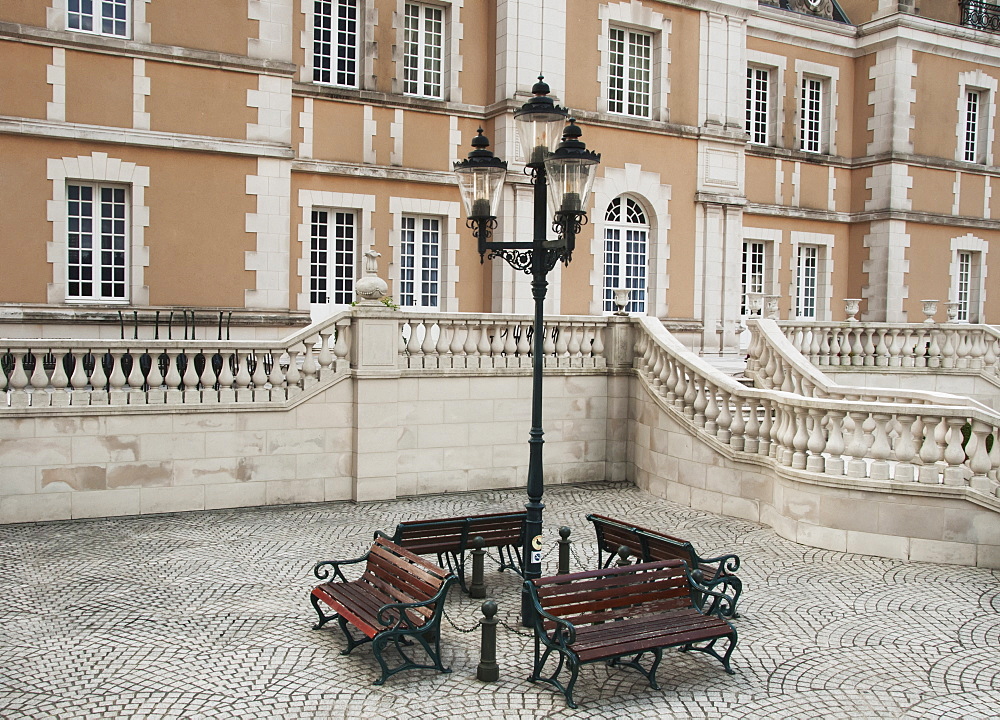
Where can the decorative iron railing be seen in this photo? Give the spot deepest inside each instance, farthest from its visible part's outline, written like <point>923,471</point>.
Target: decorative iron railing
<point>980,15</point>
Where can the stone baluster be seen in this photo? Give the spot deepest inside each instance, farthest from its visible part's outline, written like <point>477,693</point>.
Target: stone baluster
<point>857,449</point>
<point>310,368</point>
<point>992,352</point>
<point>778,377</point>
<point>954,454</point>
<point>869,348</point>
<point>446,331</point>
<point>766,426</point>
<point>293,376</point>
<point>771,364</point>
<point>881,350</point>
<point>824,347</point>
<point>523,346</point>
<point>155,380</point>
<point>745,425</point>
<point>691,394</point>
<point>934,349</point>
<point>654,374</point>
<point>98,381</point>
<point>172,378</point>
<point>800,437</point>
<point>834,464</point>
<point>737,421</point>
<point>190,380</point>
<point>904,449</point>
<point>785,435</point>
<point>562,345</point>
<point>847,346</point>
<point>243,379</point>
<point>341,346</point>
<point>135,380</point>
<point>994,454</point>
<point>979,457</point>
<point>978,351</point>
<point>208,392</point>
<point>59,382</point>
<point>116,380</point>
<point>457,346</point>
<point>664,375</point>
<point>896,344</point>
<point>881,450</point>
<point>39,382</point>
<point>670,383</point>
<point>963,349</point>
<point>325,357</point>
<point>857,348</point>
<point>948,351</point>
<point>597,348</point>
<point>227,394</point>
<point>816,443</point>
<point>496,344</point>
<point>724,420</point>
<point>711,407</point>
<point>428,347</point>
<point>18,380</point>
<point>259,378</point>
<point>276,377</point>
<point>574,342</point>
<point>549,346</point>
<point>414,353</point>
<point>907,354</point>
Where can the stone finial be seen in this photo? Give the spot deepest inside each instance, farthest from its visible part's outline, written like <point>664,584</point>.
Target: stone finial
<point>370,288</point>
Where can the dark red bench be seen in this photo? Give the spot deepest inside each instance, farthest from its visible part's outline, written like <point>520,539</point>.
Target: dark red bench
<point>649,546</point>
<point>399,598</point>
<point>451,538</point>
<point>620,612</point>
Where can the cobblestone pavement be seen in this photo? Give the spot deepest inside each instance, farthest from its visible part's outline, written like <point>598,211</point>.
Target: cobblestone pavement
<point>205,615</point>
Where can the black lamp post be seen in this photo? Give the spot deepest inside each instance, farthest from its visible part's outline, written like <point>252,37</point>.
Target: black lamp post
<point>561,166</point>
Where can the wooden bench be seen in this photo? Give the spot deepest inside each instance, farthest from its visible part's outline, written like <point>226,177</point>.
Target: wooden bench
<point>649,546</point>
<point>399,598</point>
<point>628,611</point>
<point>450,538</point>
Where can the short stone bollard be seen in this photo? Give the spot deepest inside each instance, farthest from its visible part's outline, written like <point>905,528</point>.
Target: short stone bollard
<point>564,543</point>
<point>477,588</point>
<point>488,670</point>
<point>623,553</point>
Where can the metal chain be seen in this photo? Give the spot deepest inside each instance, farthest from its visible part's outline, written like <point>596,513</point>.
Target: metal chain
<point>514,630</point>
<point>576,557</point>
<point>461,630</point>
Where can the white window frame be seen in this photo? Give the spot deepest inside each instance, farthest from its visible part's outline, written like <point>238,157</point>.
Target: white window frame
<point>634,18</point>
<point>807,282</point>
<point>826,127</point>
<point>630,72</point>
<point>98,169</point>
<point>93,220</point>
<point>750,281</point>
<point>824,273</point>
<point>363,207</point>
<point>448,213</point>
<point>759,105</point>
<point>630,266</point>
<point>972,304</point>
<point>92,17</point>
<point>775,66</point>
<point>327,266</point>
<point>771,240</point>
<point>420,266</point>
<point>985,88</point>
<point>57,17</point>
<point>343,43</point>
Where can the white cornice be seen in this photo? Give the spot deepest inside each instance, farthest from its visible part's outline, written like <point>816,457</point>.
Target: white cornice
<point>142,138</point>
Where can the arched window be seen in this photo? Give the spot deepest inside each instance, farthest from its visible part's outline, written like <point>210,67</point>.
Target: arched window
<point>626,235</point>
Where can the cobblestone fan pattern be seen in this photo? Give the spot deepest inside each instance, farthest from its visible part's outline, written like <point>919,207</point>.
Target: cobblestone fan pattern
<point>205,615</point>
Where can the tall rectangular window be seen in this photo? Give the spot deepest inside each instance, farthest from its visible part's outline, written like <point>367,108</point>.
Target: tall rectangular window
<point>806,278</point>
<point>335,42</point>
<point>811,115</point>
<point>97,241</point>
<point>758,95</point>
<point>420,262</point>
<point>332,257</point>
<point>753,271</point>
<point>423,50</point>
<point>630,81</point>
<point>102,17</point>
<point>973,110</point>
<point>963,294</point>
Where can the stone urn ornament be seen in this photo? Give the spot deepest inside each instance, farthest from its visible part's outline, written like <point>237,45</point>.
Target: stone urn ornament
<point>370,288</point>
<point>755,303</point>
<point>771,306</point>
<point>621,300</point>
<point>930,309</point>
<point>951,311</point>
<point>851,307</point>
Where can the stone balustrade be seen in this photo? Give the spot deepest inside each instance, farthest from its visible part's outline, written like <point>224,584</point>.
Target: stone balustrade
<point>896,345</point>
<point>144,373</point>
<point>435,341</point>
<point>858,435</point>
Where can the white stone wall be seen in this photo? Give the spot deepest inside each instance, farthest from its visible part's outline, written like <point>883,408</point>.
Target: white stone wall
<point>669,460</point>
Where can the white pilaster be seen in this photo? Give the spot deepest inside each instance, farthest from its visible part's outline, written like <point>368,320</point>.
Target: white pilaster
<point>274,39</point>
<point>273,100</point>
<point>306,123</point>
<point>55,75</point>
<point>531,39</point>
<point>887,269</point>
<point>396,133</point>
<point>892,100</point>
<point>368,134</point>
<point>270,260</point>
<point>140,89</point>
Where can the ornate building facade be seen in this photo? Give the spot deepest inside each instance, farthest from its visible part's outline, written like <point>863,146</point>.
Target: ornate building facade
<point>236,160</point>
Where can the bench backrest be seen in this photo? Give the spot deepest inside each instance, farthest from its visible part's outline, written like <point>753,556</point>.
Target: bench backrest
<point>647,545</point>
<point>455,534</point>
<point>597,596</point>
<point>404,576</point>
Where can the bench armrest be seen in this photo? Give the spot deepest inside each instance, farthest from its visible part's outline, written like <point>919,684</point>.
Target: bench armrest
<point>395,617</point>
<point>716,597</point>
<point>325,568</point>
<point>728,564</point>
<point>563,634</point>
